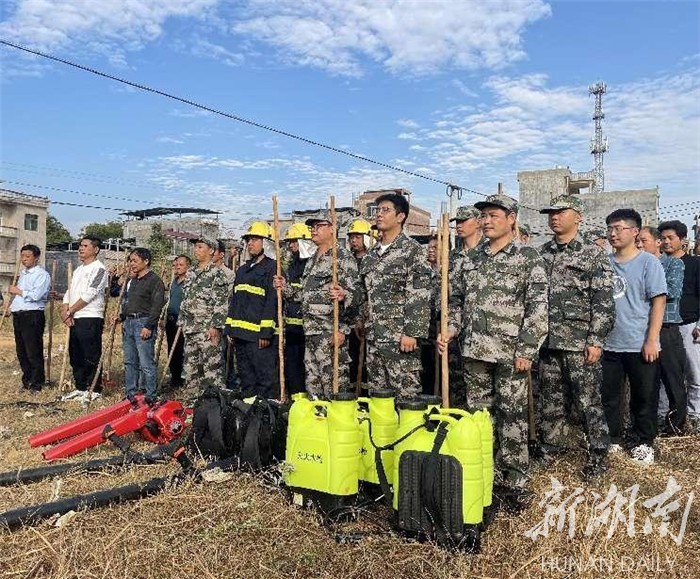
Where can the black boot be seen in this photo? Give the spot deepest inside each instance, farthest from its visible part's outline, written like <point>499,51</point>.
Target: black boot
<point>596,465</point>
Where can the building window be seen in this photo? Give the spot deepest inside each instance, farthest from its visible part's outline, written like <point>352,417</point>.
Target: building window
<point>371,210</point>
<point>31,222</point>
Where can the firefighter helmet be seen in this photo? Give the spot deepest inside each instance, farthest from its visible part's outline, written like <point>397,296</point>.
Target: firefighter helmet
<point>259,229</point>
<point>361,226</point>
<point>297,231</point>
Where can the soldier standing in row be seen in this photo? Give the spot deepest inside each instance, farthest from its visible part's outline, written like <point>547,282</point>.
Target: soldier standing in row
<point>317,294</point>
<point>202,317</point>
<point>251,317</point>
<point>396,289</point>
<point>499,300</point>
<point>468,227</point>
<point>294,340</point>
<point>359,240</point>
<point>581,313</point>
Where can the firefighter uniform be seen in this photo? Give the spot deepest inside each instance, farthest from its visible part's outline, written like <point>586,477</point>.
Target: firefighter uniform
<point>251,317</point>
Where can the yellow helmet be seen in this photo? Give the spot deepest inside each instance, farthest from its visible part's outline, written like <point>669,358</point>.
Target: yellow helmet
<point>259,229</point>
<point>297,231</point>
<point>361,226</point>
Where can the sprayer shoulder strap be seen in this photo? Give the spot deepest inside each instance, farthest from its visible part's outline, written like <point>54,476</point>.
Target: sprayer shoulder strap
<point>430,481</point>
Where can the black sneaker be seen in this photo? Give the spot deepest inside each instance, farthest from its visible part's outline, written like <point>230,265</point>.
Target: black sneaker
<point>596,465</point>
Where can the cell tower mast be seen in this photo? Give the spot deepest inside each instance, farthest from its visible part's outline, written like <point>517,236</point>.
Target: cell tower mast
<point>599,143</point>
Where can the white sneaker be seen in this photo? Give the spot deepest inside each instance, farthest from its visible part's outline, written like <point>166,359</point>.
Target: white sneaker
<point>614,448</point>
<point>643,454</point>
<point>73,394</point>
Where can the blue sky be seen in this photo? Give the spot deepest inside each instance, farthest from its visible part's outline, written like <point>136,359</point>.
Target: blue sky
<point>466,92</point>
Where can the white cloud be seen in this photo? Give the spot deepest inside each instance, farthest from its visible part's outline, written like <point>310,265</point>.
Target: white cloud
<point>404,36</point>
<point>106,26</point>
<point>653,126</point>
<point>407,123</point>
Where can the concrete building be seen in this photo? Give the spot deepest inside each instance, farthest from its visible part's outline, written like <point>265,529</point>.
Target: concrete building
<point>22,221</point>
<point>538,188</point>
<point>418,222</point>
<point>179,229</point>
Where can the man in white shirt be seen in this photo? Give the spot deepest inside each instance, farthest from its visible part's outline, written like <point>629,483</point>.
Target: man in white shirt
<point>83,311</point>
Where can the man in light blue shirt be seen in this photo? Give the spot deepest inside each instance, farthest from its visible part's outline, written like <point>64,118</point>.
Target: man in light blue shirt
<point>29,298</point>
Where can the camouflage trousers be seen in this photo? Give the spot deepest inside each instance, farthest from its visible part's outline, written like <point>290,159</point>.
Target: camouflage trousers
<point>503,391</point>
<point>431,373</point>
<point>390,369</point>
<point>570,393</point>
<point>318,364</point>
<point>202,362</point>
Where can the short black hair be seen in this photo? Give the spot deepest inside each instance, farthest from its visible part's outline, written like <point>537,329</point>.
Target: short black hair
<point>187,258</point>
<point>143,253</point>
<point>652,231</point>
<point>679,227</point>
<point>629,215</point>
<point>96,241</point>
<point>36,252</point>
<point>399,202</point>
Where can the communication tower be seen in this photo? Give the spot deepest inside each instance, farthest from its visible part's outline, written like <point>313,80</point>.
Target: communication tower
<point>599,143</point>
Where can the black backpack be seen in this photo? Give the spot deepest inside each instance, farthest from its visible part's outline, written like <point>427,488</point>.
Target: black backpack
<point>225,426</point>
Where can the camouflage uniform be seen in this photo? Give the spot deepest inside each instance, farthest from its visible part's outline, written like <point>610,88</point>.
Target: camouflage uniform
<point>581,313</point>
<point>499,301</point>
<point>396,296</point>
<point>205,297</point>
<point>317,312</point>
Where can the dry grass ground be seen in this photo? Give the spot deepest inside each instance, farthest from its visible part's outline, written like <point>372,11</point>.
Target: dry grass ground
<point>245,528</point>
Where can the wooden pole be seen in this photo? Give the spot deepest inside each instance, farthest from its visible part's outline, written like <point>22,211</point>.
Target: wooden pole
<point>444,268</point>
<point>170,355</point>
<point>280,317</point>
<point>336,305</point>
<point>49,347</point>
<point>67,342</point>
<point>6,311</point>
<point>360,364</point>
<point>163,315</point>
<point>113,326</point>
<point>436,380</point>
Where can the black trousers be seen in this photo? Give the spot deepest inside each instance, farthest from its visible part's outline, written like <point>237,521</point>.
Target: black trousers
<point>29,342</point>
<point>671,365</point>
<point>294,346</point>
<point>178,354</point>
<point>644,395</point>
<point>257,368</point>
<point>84,349</point>
<point>354,344</point>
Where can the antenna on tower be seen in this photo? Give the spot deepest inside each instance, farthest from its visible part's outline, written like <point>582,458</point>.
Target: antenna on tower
<point>599,143</point>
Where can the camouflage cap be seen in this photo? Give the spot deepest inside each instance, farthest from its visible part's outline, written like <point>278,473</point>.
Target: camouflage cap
<point>322,215</point>
<point>564,202</point>
<point>213,243</point>
<point>502,201</point>
<point>525,229</point>
<point>466,212</point>
<point>597,233</point>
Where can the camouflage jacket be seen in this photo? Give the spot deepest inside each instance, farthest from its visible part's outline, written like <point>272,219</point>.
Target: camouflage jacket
<point>204,299</point>
<point>396,290</point>
<point>499,302</point>
<point>581,305</point>
<point>316,305</point>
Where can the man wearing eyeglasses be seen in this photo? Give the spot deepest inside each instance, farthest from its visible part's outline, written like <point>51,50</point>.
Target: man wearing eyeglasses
<point>632,347</point>
<point>316,292</point>
<point>395,281</point>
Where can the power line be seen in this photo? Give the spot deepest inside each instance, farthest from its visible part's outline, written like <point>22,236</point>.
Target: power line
<point>84,175</point>
<point>235,117</point>
<point>77,192</point>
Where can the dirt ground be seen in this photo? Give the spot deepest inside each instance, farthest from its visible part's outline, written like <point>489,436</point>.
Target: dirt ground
<point>245,527</point>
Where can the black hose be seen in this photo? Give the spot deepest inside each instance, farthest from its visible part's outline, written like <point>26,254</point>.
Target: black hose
<point>30,475</point>
<point>16,518</point>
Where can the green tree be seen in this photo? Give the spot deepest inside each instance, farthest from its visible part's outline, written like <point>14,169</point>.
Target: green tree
<point>109,230</point>
<point>56,232</point>
<point>161,247</point>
